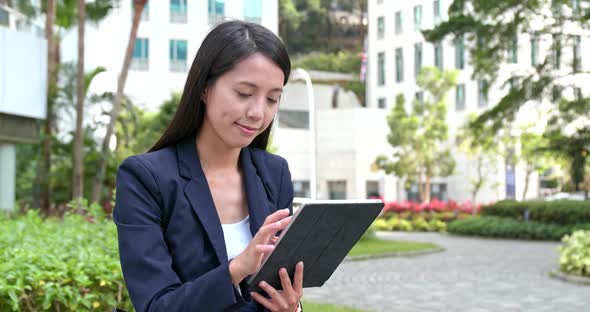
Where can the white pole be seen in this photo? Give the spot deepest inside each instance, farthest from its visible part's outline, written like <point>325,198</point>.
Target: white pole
<point>7,175</point>
<point>302,73</point>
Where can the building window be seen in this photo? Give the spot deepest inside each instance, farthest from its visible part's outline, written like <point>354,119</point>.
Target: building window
<point>576,7</point>
<point>437,190</point>
<point>178,55</point>
<point>253,11</point>
<point>577,54</point>
<point>534,50</point>
<point>399,65</point>
<point>373,189</point>
<point>381,68</point>
<point>417,58</point>
<point>578,94</point>
<point>437,11</point>
<point>380,27</point>
<point>438,55</point>
<point>483,91</point>
<point>556,52</point>
<point>301,189</point>
<point>459,53</point>
<point>178,11</point>
<point>460,97</point>
<point>141,54</point>
<point>4,17</point>
<point>293,119</point>
<point>419,96</point>
<point>216,10</point>
<point>398,22</point>
<point>512,83</point>
<point>337,189</point>
<point>418,17</point>
<point>556,93</point>
<point>382,102</point>
<point>514,50</point>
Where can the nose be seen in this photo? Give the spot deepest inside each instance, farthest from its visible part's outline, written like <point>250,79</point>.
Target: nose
<point>256,108</point>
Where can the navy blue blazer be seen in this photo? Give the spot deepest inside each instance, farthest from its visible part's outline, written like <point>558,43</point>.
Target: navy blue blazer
<point>171,242</point>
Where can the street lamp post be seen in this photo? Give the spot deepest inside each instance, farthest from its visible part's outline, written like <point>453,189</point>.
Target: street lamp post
<point>300,73</point>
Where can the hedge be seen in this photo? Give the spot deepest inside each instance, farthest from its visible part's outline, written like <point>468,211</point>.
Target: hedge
<point>60,265</point>
<point>565,212</point>
<point>510,228</point>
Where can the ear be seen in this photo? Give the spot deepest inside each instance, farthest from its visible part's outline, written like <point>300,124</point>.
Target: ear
<point>204,95</point>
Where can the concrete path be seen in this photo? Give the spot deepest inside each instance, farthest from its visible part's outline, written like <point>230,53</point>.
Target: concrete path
<point>471,275</point>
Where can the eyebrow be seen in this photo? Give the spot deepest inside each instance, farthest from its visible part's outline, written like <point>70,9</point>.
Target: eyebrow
<point>255,86</point>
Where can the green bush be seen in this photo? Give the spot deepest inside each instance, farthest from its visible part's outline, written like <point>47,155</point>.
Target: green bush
<point>341,62</point>
<point>575,254</point>
<point>511,228</point>
<point>420,224</point>
<point>565,212</point>
<point>60,265</point>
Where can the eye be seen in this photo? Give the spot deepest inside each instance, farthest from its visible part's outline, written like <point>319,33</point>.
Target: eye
<point>271,100</point>
<point>243,95</point>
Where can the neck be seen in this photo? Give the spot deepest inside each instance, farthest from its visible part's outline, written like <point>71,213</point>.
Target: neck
<point>213,153</point>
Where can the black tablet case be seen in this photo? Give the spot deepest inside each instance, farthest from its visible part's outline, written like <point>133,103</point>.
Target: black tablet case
<point>320,235</point>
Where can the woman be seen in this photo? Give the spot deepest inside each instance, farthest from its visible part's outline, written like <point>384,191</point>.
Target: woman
<point>198,213</point>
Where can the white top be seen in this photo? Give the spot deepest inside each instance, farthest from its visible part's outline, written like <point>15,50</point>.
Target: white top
<point>237,237</point>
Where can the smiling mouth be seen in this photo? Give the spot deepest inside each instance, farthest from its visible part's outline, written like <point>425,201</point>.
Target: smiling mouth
<point>246,127</point>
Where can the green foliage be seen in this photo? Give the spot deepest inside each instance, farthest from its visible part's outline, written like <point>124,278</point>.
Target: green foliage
<point>310,25</point>
<point>491,226</point>
<point>60,265</point>
<point>575,254</point>
<point>418,137</point>
<point>397,223</point>
<point>341,62</point>
<point>564,212</point>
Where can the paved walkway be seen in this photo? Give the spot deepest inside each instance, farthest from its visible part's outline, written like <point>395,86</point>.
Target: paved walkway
<point>471,275</point>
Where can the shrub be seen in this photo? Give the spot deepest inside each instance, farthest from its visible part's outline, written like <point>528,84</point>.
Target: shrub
<point>438,225</point>
<point>420,224</point>
<point>575,254</point>
<point>565,212</point>
<point>342,62</point>
<point>60,265</point>
<point>511,228</point>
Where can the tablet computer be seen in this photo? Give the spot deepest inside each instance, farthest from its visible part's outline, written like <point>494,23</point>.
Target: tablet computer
<point>321,234</point>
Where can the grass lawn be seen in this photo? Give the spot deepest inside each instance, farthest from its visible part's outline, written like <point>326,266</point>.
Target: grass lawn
<point>318,307</point>
<point>376,246</point>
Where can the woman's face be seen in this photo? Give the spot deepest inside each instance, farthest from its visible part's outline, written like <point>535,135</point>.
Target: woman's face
<point>242,103</point>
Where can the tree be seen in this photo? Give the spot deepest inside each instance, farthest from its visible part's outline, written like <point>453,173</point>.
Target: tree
<point>483,146</point>
<point>138,6</point>
<point>491,30</point>
<point>78,172</point>
<point>418,137</point>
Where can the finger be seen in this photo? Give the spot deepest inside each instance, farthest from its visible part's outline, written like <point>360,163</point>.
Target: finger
<point>274,240</point>
<point>286,283</point>
<point>266,232</point>
<point>265,248</point>
<point>276,216</point>
<point>298,278</point>
<point>263,301</point>
<point>274,294</point>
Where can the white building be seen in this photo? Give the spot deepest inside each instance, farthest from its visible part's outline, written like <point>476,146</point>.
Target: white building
<point>348,139</point>
<point>397,51</point>
<point>169,35</point>
<point>23,91</point>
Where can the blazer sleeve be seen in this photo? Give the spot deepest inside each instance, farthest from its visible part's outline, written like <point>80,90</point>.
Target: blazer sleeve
<point>145,260</point>
<point>286,189</point>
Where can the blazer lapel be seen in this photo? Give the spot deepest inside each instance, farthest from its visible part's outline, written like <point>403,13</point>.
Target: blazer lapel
<point>258,201</point>
<point>199,196</point>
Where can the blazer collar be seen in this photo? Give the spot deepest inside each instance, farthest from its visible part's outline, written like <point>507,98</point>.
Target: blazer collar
<point>199,195</point>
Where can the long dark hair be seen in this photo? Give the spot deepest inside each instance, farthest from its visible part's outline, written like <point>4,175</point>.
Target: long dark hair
<point>224,46</point>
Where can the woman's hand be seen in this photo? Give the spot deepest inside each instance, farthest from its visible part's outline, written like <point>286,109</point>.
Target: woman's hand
<point>249,261</point>
<point>286,300</point>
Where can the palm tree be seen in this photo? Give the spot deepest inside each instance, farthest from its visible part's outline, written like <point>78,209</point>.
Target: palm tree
<point>138,6</point>
<point>78,170</point>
